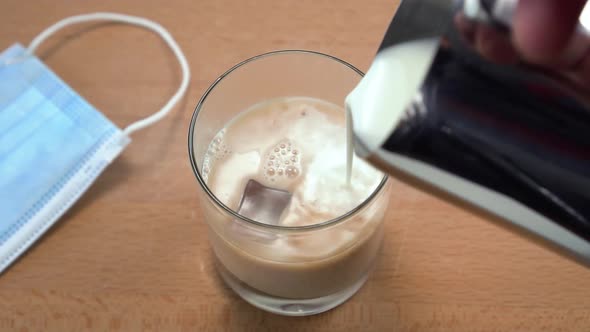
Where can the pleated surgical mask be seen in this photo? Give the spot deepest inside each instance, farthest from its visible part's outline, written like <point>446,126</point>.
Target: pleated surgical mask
<point>53,143</point>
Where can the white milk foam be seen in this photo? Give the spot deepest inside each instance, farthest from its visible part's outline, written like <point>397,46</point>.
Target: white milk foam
<point>296,144</point>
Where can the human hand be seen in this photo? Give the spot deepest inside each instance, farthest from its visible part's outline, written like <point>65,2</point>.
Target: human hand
<point>544,33</point>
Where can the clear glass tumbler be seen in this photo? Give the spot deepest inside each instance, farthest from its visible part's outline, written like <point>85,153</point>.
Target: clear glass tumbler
<point>293,271</point>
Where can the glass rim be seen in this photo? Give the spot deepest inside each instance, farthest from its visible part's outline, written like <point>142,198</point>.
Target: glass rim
<point>229,210</point>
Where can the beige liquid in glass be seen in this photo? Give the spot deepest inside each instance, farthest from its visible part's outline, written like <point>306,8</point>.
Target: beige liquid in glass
<point>296,144</point>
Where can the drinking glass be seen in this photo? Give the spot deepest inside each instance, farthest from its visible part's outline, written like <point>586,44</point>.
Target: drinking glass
<point>293,271</point>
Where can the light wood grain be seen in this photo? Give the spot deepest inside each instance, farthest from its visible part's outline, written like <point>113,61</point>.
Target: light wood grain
<point>132,255</point>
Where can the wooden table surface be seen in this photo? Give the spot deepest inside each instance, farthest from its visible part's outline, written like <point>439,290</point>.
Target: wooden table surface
<point>132,254</point>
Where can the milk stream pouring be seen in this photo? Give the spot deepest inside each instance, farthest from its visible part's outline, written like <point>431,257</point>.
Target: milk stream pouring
<point>509,142</point>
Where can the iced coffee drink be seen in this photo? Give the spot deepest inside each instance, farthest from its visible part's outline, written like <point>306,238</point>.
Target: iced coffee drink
<point>319,249</point>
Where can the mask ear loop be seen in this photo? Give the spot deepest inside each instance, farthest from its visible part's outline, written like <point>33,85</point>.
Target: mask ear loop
<point>132,20</point>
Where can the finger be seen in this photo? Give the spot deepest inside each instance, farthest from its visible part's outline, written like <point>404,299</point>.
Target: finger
<point>543,30</point>
<point>495,46</point>
<point>466,28</point>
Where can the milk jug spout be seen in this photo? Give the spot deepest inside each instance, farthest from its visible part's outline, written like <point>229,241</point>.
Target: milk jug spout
<point>510,142</point>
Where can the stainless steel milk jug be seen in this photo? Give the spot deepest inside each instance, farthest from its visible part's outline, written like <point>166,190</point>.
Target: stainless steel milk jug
<point>509,141</point>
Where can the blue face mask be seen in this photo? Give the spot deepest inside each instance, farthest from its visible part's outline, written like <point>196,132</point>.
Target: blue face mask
<point>53,143</point>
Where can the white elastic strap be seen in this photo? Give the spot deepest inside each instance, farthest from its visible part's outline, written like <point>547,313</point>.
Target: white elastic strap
<point>133,20</point>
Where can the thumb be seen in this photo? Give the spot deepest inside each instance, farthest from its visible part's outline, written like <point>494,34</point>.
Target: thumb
<point>544,30</point>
